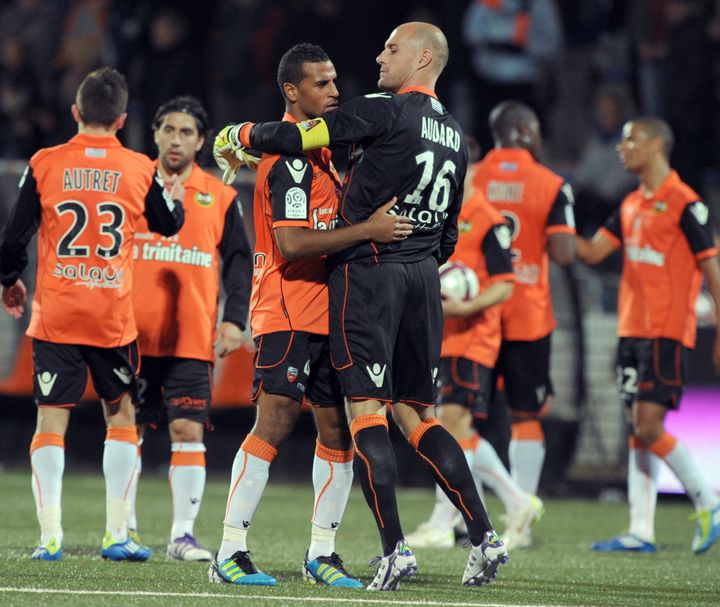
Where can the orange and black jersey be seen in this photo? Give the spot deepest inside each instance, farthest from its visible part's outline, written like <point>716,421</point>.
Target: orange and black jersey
<point>664,237</point>
<point>536,204</point>
<point>406,145</point>
<point>175,292</point>
<point>86,197</point>
<point>291,191</point>
<point>484,246</point>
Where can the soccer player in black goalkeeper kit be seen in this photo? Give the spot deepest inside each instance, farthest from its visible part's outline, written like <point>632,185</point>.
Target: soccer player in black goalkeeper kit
<point>386,316</point>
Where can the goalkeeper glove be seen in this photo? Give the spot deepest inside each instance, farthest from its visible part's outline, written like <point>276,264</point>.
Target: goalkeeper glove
<point>230,154</point>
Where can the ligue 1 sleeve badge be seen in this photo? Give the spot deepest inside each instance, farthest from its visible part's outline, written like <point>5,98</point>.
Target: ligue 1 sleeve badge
<point>204,200</point>
<point>292,374</point>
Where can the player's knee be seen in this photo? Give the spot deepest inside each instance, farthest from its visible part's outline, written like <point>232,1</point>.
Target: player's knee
<point>333,430</point>
<point>647,431</point>
<point>276,417</point>
<point>186,431</point>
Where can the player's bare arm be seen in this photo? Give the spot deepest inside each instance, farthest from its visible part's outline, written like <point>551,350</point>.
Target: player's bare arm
<point>496,293</point>
<point>381,226</point>
<point>592,251</point>
<point>711,270</point>
<point>561,248</point>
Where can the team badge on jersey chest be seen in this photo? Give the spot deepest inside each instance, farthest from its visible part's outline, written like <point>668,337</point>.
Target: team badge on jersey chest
<point>660,207</point>
<point>204,200</point>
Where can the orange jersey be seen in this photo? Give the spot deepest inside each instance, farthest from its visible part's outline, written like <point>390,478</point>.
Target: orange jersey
<point>91,192</point>
<point>664,236</point>
<point>296,191</point>
<point>484,246</point>
<point>536,203</point>
<point>176,278</point>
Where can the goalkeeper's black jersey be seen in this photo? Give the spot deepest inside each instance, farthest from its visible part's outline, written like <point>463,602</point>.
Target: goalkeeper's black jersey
<point>406,145</point>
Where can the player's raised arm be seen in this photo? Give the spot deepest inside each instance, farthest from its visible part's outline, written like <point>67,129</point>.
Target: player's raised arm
<point>163,209</point>
<point>360,119</point>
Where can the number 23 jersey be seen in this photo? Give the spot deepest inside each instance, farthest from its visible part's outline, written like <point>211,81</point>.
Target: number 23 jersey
<point>87,196</point>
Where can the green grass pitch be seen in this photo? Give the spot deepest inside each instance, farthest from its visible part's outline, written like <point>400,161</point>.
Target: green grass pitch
<point>558,570</point>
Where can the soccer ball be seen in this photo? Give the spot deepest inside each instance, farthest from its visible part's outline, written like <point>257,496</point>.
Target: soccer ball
<point>458,282</point>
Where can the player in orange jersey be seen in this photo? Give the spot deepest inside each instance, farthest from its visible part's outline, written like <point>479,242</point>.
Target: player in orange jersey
<point>664,230</point>
<point>471,342</point>
<point>538,206</point>
<point>176,309</point>
<point>296,200</point>
<point>87,197</point>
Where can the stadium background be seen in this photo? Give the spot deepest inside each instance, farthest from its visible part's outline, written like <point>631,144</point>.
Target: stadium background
<point>226,53</point>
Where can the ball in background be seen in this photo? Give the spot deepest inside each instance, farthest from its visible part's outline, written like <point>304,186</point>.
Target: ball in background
<point>458,282</point>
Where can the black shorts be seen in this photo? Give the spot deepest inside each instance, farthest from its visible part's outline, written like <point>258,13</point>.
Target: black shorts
<point>465,382</point>
<point>174,388</point>
<point>296,364</point>
<point>525,367</point>
<point>60,372</point>
<point>651,370</point>
<point>386,327</point>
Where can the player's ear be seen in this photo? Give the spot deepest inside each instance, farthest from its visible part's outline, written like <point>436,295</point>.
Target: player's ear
<point>75,111</point>
<point>200,143</point>
<point>291,92</point>
<point>425,58</point>
<point>120,121</point>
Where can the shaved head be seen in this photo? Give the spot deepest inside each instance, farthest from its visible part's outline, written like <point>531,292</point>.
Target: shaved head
<point>656,128</point>
<point>428,36</point>
<point>415,54</point>
<point>508,117</point>
<point>515,125</point>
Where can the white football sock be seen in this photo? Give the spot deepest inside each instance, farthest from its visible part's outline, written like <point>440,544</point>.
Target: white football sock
<point>250,473</point>
<point>526,454</point>
<point>332,481</point>
<point>119,464</point>
<point>187,482</point>
<point>47,460</point>
<point>643,470</point>
<point>692,478</point>
<point>488,466</point>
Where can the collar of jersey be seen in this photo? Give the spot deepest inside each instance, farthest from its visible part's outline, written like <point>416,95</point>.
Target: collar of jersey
<point>195,180</point>
<point>96,141</point>
<point>288,117</point>
<point>418,89</point>
<point>516,154</point>
<point>670,183</point>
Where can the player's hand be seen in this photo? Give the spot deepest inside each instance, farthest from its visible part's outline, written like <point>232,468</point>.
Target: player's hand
<point>176,188</point>
<point>453,307</point>
<point>14,298</point>
<point>382,226</point>
<point>230,154</point>
<point>230,338</point>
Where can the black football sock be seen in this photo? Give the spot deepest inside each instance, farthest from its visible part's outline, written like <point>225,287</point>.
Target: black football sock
<point>449,467</point>
<point>377,470</point>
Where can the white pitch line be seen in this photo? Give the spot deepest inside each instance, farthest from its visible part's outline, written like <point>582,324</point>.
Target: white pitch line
<point>205,595</point>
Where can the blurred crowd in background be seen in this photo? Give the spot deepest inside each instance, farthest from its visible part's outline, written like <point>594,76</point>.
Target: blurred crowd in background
<point>584,65</point>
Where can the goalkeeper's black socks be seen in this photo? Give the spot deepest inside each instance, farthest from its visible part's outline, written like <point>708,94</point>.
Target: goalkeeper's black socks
<point>377,470</point>
<point>449,467</point>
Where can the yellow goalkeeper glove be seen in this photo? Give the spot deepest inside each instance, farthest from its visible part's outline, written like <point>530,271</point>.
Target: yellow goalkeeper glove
<point>230,154</point>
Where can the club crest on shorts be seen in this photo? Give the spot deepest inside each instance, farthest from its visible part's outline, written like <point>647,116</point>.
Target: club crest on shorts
<point>292,374</point>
